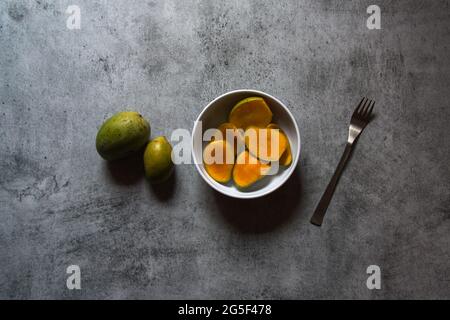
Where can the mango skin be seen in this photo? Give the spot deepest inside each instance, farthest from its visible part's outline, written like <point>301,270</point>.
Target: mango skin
<point>158,160</point>
<point>121,135</point>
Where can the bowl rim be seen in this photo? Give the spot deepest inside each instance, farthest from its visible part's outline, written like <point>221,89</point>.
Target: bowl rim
<point>250,195</point>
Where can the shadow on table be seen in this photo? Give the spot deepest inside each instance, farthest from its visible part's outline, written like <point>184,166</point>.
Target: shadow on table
<point>129,170</point>
<point>262,214</point>
<point>165,190</point>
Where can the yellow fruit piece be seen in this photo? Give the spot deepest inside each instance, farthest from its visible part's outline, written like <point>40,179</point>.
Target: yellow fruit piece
<point>286,157</point>
<point>226,126</point>
<point>248,170</point>
<point>252,111</point>
<point>273,126</point>
<point>259,143</point>
<point>237,134</point>
<point>218,159</point>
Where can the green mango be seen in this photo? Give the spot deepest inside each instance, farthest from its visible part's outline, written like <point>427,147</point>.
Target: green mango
<point>158,160</point>
<point>121,135</point>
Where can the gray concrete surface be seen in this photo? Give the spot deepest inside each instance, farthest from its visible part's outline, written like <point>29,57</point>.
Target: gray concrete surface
<point>61,204</point>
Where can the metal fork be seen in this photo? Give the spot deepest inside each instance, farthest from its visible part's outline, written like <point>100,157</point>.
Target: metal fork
<point>360,118</point>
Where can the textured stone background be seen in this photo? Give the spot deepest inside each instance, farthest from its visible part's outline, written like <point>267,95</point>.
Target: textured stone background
<point>60,204</point>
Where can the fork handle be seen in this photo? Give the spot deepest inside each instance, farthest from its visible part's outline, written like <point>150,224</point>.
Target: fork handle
<point>321,208</point>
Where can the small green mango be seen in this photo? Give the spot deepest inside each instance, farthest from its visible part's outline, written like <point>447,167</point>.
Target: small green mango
<point>158,160</point>
<point>121,135</point>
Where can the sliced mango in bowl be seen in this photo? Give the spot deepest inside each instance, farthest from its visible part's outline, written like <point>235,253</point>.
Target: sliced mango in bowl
<point>252,111</point>
<point>267,144</point>
<point>248,170</point>
<point>232,135</point>
<point>257,142</point>
<point>218,159</point>
<point>286,157</point>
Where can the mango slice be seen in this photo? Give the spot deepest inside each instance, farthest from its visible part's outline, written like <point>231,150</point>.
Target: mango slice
<point>248,170</point>
<point>218,159</point>
<point>238,136</point>
<point>286,157</point>
<point>252,111</point>
<point>259,143</point>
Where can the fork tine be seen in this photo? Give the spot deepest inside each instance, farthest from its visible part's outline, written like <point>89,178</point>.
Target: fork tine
<point>358,108</point>
<point>366,108</point>
<point>369,112</point>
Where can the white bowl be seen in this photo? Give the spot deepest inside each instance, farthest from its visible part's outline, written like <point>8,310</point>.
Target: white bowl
<point>216,113</point>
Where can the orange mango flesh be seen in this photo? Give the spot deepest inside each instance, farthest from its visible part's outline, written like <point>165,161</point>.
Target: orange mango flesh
<point>236,133</point>
<point>252,163</point>
<point>286,157</point>
<point>218,159</point>
<point>248,170</point>
<point>252,111</point>
<point>259,143</point>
